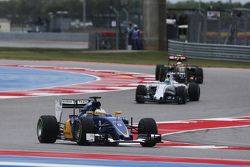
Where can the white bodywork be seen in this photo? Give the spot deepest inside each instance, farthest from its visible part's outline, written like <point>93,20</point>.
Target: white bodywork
<point>58,110</point>
<point>162,87</point>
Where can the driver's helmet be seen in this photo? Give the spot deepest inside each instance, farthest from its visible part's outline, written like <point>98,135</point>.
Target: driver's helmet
<point>100,111</point>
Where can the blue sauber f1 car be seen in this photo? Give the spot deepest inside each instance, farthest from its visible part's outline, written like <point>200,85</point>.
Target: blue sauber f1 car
<point>89,123</point>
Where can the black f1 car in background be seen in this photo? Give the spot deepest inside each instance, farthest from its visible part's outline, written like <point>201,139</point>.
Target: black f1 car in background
<point>89,123</point>
<point>168,91</point>
<point>186,72</point>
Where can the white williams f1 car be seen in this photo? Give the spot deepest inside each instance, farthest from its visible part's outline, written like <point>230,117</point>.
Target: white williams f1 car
<point>168,91</point>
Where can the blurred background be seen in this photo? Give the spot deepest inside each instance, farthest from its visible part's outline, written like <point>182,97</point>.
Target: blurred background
<point>216,22</point>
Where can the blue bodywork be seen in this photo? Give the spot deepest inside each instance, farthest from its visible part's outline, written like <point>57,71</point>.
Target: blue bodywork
<point>92,124</point>
<point>105,124</point>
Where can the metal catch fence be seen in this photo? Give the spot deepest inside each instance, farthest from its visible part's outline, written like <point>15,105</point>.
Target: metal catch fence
<point>210,51</point>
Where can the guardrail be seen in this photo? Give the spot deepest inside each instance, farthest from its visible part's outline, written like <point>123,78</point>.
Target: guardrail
<point>210,51</point>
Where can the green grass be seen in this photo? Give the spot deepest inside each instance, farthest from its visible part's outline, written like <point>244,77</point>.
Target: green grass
<point>143,57</point>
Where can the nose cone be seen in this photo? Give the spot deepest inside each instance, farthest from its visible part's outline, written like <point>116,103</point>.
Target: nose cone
<point>121,129</point>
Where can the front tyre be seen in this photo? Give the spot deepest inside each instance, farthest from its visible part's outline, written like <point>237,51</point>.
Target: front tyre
<point>181,94</point>
<point>47,129</point>
<point>162,74</point>
<point>84,126</point>
<point>147,126</point>
<point>141,92</point>
<point>157,71</point>
<point>194,92</point>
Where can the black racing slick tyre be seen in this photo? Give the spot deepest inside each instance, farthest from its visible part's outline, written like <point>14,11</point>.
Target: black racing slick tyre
<point>162,74</point>
<point>84,126</point>
<point>157,71</point>
<point>194,92</point>
<point>181,94</point>
<point>199,75</point>
<point>141,91</point>
<point>147,126</point>
<point>47,129</point>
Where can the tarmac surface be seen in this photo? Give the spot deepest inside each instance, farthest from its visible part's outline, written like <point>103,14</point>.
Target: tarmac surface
<point>224,93</point>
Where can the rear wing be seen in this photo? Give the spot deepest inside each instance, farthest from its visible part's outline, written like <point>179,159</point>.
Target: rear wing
<point>73,103</point>
<point>177,58</point>
<point>68,103</point>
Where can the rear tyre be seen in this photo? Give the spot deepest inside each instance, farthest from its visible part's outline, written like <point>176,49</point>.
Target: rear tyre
<point>181,94</point>
<point>199,75</point>
<point>141,91</point>
<point>189,74</point>
<point>194,92</point>
<point>84,126</point>
<point>157,71</point>
<point>147,126</point>
<point>47,129</point>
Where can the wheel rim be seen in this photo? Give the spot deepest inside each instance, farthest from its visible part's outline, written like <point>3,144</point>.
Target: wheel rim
<point>39,129</point>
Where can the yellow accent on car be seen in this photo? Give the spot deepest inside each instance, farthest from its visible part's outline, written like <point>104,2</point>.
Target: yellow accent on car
<point>89,112</point>
<point>125,134</point>
<point>67,131</point>
<point>117,113</point>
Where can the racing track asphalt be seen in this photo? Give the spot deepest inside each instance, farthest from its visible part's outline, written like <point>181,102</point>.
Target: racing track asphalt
<point>224,93</point>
